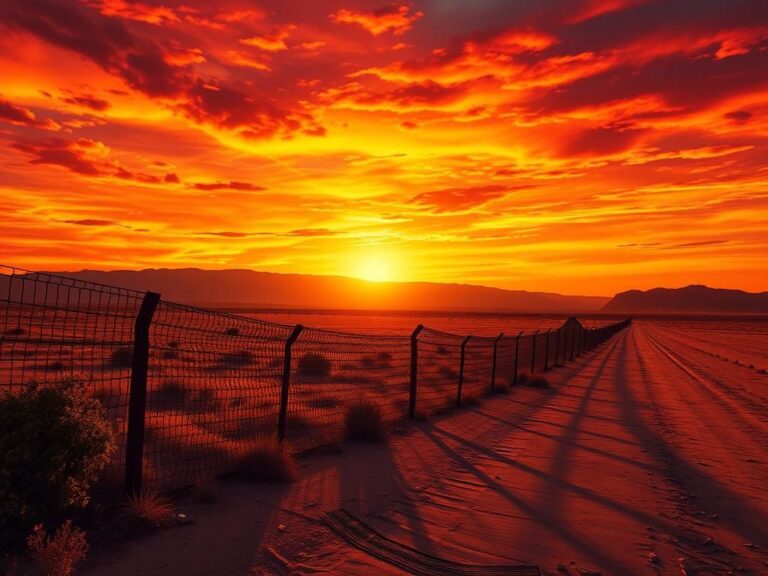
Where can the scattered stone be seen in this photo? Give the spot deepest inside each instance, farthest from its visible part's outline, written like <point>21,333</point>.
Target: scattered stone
<point>282,527</point>
<point>653,558</point>
<point>183,519</point>
<point>309,505</point>
<point>749,545</point>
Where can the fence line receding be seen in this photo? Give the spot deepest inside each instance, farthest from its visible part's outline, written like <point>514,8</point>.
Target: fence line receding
<point>188,389</point>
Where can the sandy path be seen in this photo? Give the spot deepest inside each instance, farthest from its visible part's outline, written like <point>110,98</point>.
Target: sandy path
<point>644,452</point>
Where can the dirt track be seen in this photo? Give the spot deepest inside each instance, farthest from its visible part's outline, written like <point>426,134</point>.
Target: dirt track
<point>646,451</point>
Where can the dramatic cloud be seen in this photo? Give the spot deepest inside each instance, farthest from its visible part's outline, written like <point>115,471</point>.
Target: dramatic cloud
<point>519,144</point>
<point>396,18</point>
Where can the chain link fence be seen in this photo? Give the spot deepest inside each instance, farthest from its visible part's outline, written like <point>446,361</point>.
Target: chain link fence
<point>188,390</point>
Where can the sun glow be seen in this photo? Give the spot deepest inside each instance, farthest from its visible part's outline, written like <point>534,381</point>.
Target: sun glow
<point>374,266</point>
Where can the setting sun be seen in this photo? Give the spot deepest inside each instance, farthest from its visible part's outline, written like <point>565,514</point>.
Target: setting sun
<point>374,265</point>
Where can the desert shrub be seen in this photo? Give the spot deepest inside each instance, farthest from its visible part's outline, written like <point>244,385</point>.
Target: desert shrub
<point>363,422</point>
<point>170,395</point>
<point>170,355</point>
<point>55,366</point>
<point>323,402</point>
<point>232,332</point>
<point>536,381</point>
<point>314,366</point>
<point>173,344</point>
<point>54,442</point>
<point>267,460</point>
<point>57,555</point>
<point>18,331</point>
<point>144,512</point>
<point>236,359</point>
<point>447,372</point>
<point>122,357</point>
<point>384,357</point>
<point>442,350</point>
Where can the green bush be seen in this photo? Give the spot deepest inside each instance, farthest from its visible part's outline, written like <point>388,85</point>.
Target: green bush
<point>54,442</point>
<point>313,366</point>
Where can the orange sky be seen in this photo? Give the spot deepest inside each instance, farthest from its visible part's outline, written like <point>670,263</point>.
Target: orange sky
<point>577,146</point>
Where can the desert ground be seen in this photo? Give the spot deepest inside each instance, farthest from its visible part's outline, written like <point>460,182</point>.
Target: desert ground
<point>648,455</point>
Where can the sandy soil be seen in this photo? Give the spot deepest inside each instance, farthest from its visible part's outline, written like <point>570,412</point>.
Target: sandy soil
<point>645,452</point>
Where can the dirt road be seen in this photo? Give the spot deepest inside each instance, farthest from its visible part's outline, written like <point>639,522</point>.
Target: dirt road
<point>645,455</point>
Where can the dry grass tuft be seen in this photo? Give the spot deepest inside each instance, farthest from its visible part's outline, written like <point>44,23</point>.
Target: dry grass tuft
<point>363,422</point>
<point>267,460</point>
<point>145,512</point>
<point>57,555</point>
<point>537,381</point>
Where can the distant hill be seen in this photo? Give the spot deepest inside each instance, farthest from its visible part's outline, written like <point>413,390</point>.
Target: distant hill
<point>694,299</point>
<point>243,288</point>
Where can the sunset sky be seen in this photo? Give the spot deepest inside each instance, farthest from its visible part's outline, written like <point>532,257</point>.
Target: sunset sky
<point>576,146</point>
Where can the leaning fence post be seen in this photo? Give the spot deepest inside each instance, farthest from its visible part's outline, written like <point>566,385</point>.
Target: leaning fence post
<point>493,362</point>
<point>573,338</point>
<point>546,349</point>
<point>517,355</point>
<point>461,370</point>
<point>134,443</point>
<point>557,347</point>
<point>533,352</point>
<point>282,418</point>
<point>414,370</point>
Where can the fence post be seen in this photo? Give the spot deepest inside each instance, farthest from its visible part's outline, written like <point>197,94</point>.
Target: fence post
<point>493,362</point>
<point>282,418</point>
<point>134,443</point>
<point>533,351</point>
<point>414,370</point>
<point>517,355</point>
<point>461,370</point>
<point>546,350</point>
<point>557,347</point>
<point>573,338</point>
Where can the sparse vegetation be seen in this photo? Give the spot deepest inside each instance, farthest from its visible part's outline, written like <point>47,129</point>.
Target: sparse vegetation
<point>537,381</point>
<point>442,350</point>
<point>313,367</point>
<point>54,442</point>
<point>122,357</point>
<point>238,359</point>
<point>57,555</point>
<point>170,395</point>
<point>232,332</point>
<point>18,331</point>
<point>55,366</point>
<point>363,422</point>
<point>145,512</point>
<point>267,460</point>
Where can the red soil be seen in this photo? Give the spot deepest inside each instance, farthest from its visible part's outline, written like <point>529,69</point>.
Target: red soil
<point>645,452</point>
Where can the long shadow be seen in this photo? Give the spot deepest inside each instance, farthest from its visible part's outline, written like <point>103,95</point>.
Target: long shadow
<point>752,524</point>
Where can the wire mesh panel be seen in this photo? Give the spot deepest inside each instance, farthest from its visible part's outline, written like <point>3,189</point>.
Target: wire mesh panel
<point>332,371</point>
<point>56,327</point>
<point>477,367</point>
<point>505,362</point>
<point>213,388</point>
<point>525,350</point>
<point>438,370</point>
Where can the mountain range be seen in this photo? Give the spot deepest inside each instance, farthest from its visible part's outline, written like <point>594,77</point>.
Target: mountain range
<point>248,288</point>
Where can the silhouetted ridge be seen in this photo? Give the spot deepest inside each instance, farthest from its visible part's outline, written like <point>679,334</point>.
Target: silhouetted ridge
<point>690,299</point>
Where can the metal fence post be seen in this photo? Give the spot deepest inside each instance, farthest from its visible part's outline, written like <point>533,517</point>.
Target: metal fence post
<point>461,370</point>
<point>414,370</point>
<point>557,347</point>
<point>546,350</point>
<point>517,355</point>
<point>493,362</point>
<point>533,352</point>
<point>573,338</point>
<point>134,443</point>
<point>282,418</point>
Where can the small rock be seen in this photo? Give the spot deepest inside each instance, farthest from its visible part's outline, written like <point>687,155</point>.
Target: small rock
<point>749,545</point>
<point>182,519</point>
<point>282,527</point>
<point>309,505</point>
<point>653,558</point>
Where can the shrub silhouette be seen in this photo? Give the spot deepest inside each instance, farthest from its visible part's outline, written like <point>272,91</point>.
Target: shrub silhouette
<point>122,357</point>
<point>54,442</point>
<point>363,422</point>
<point>232,332</point>
<point>236,359</point>
<point>267,460</point>
<point>18,331</point>
<point>57,555</point>
<point>144,512</point>
<point>314,366</point>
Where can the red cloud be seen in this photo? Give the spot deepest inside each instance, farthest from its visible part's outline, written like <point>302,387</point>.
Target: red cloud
<point>147,67</point>
<point>20,116</point>
<point>89,102</point>
<point>134,10</point>
<point>458,199</point>
<point>395,18</point>
<point>274,42</point>
<point>246,186</point>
